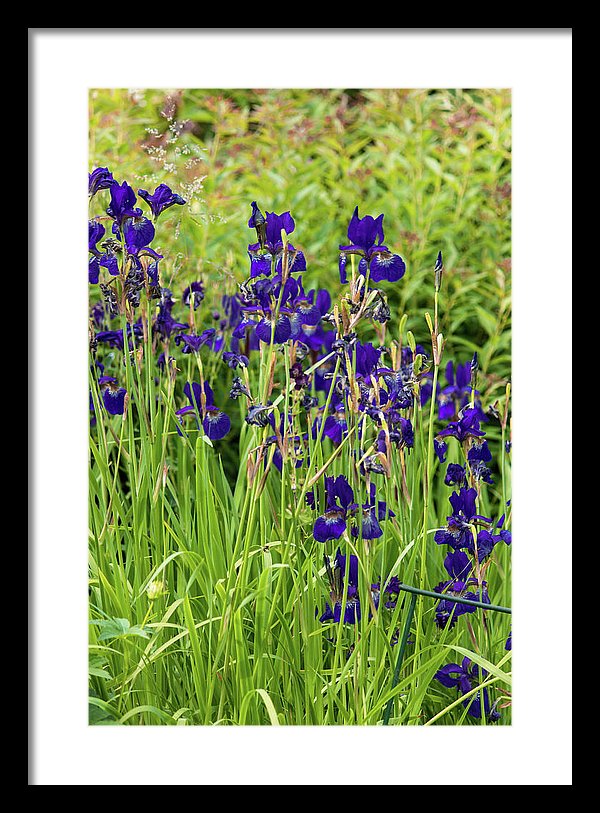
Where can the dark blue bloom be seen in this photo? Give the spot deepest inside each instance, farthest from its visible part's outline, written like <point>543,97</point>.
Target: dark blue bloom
<point>122,204</point>
<point>113,396</point>
<point>458,533</point>
<point>193,294</point>
<point>270,244</point>
<point>342,268</point>
<point>465,677</point>
<point>505,534</point>
<point>113,338</point>
<point>332,524</point>
<point>92,411</point>
<point>274,226</point>
<point>508,644</point>
<point>461,585</point>
<point>281,331</point>
<point>192,343</point>
<point>110,261</point>
<point>235,360</point>
<point>162,361</point>
<point>440,447</point>
<point>467,426</point>
<point>98,314</point>
<point>456,395</point>
<point>366,239</point>
<point>372,513</point>
<point>164,323</point>
<point>455,475</point>
<point>216,424</point>
<point>335,424</point>
<point>161,199</point>
<point>99,178</point>
<point>367,358</point>
<point>402,433</point>
<point>93,270</point>
<point>485,544</point>
<point>479,450</point>
<point>139,233</point>
<point>95,232</point>
<point>481,472</point>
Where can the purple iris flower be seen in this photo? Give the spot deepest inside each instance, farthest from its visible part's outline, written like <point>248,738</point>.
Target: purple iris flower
<point>113,338</point>
<point>367,359</point>
<point>92,411</point>
<point>238,388</point>
<point>481,472</point>
<point>162,362</point>
<point>113,395</point>
<point>275,224</point>
<point>99,178</point>
<point>281,332</point>
<point>95,232</point>
<point>122,204</point>
<point>161,199</point>
<point>332,524</point>
<point>193,294</point>
<point>98,314</point>
<point>400,382</point>
<point>372,513</point>
<point>192,343</point>
<point>478,455</point>
<point>505,535</point>
<point>164,323</point>
<point>485,544</point>
<point>508,644</point>
<point>93,270</point>
<point>110,261</point>
<point>467,426</point>
<point>402,433</point>
<point>465,677</point>
<point>235,360</point>
<point>139,233</point>
<point>270,244</point>
<point>456,395</point>
<point>460,584</point>
<point>455,475</point>
<point>366,239</point>
<point>335,424</point>
<point>479,450</point>
<point>216,424</point>
<point>440,447</point>
<point>305,312</point>
<point>257,221</point>
<point>393,589</point>
<point>458,533</point>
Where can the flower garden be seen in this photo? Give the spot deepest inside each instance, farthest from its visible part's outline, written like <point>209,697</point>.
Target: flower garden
<point>300,408</point>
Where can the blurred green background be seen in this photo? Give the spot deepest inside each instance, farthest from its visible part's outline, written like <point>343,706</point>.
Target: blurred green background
<point>437,163</point>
